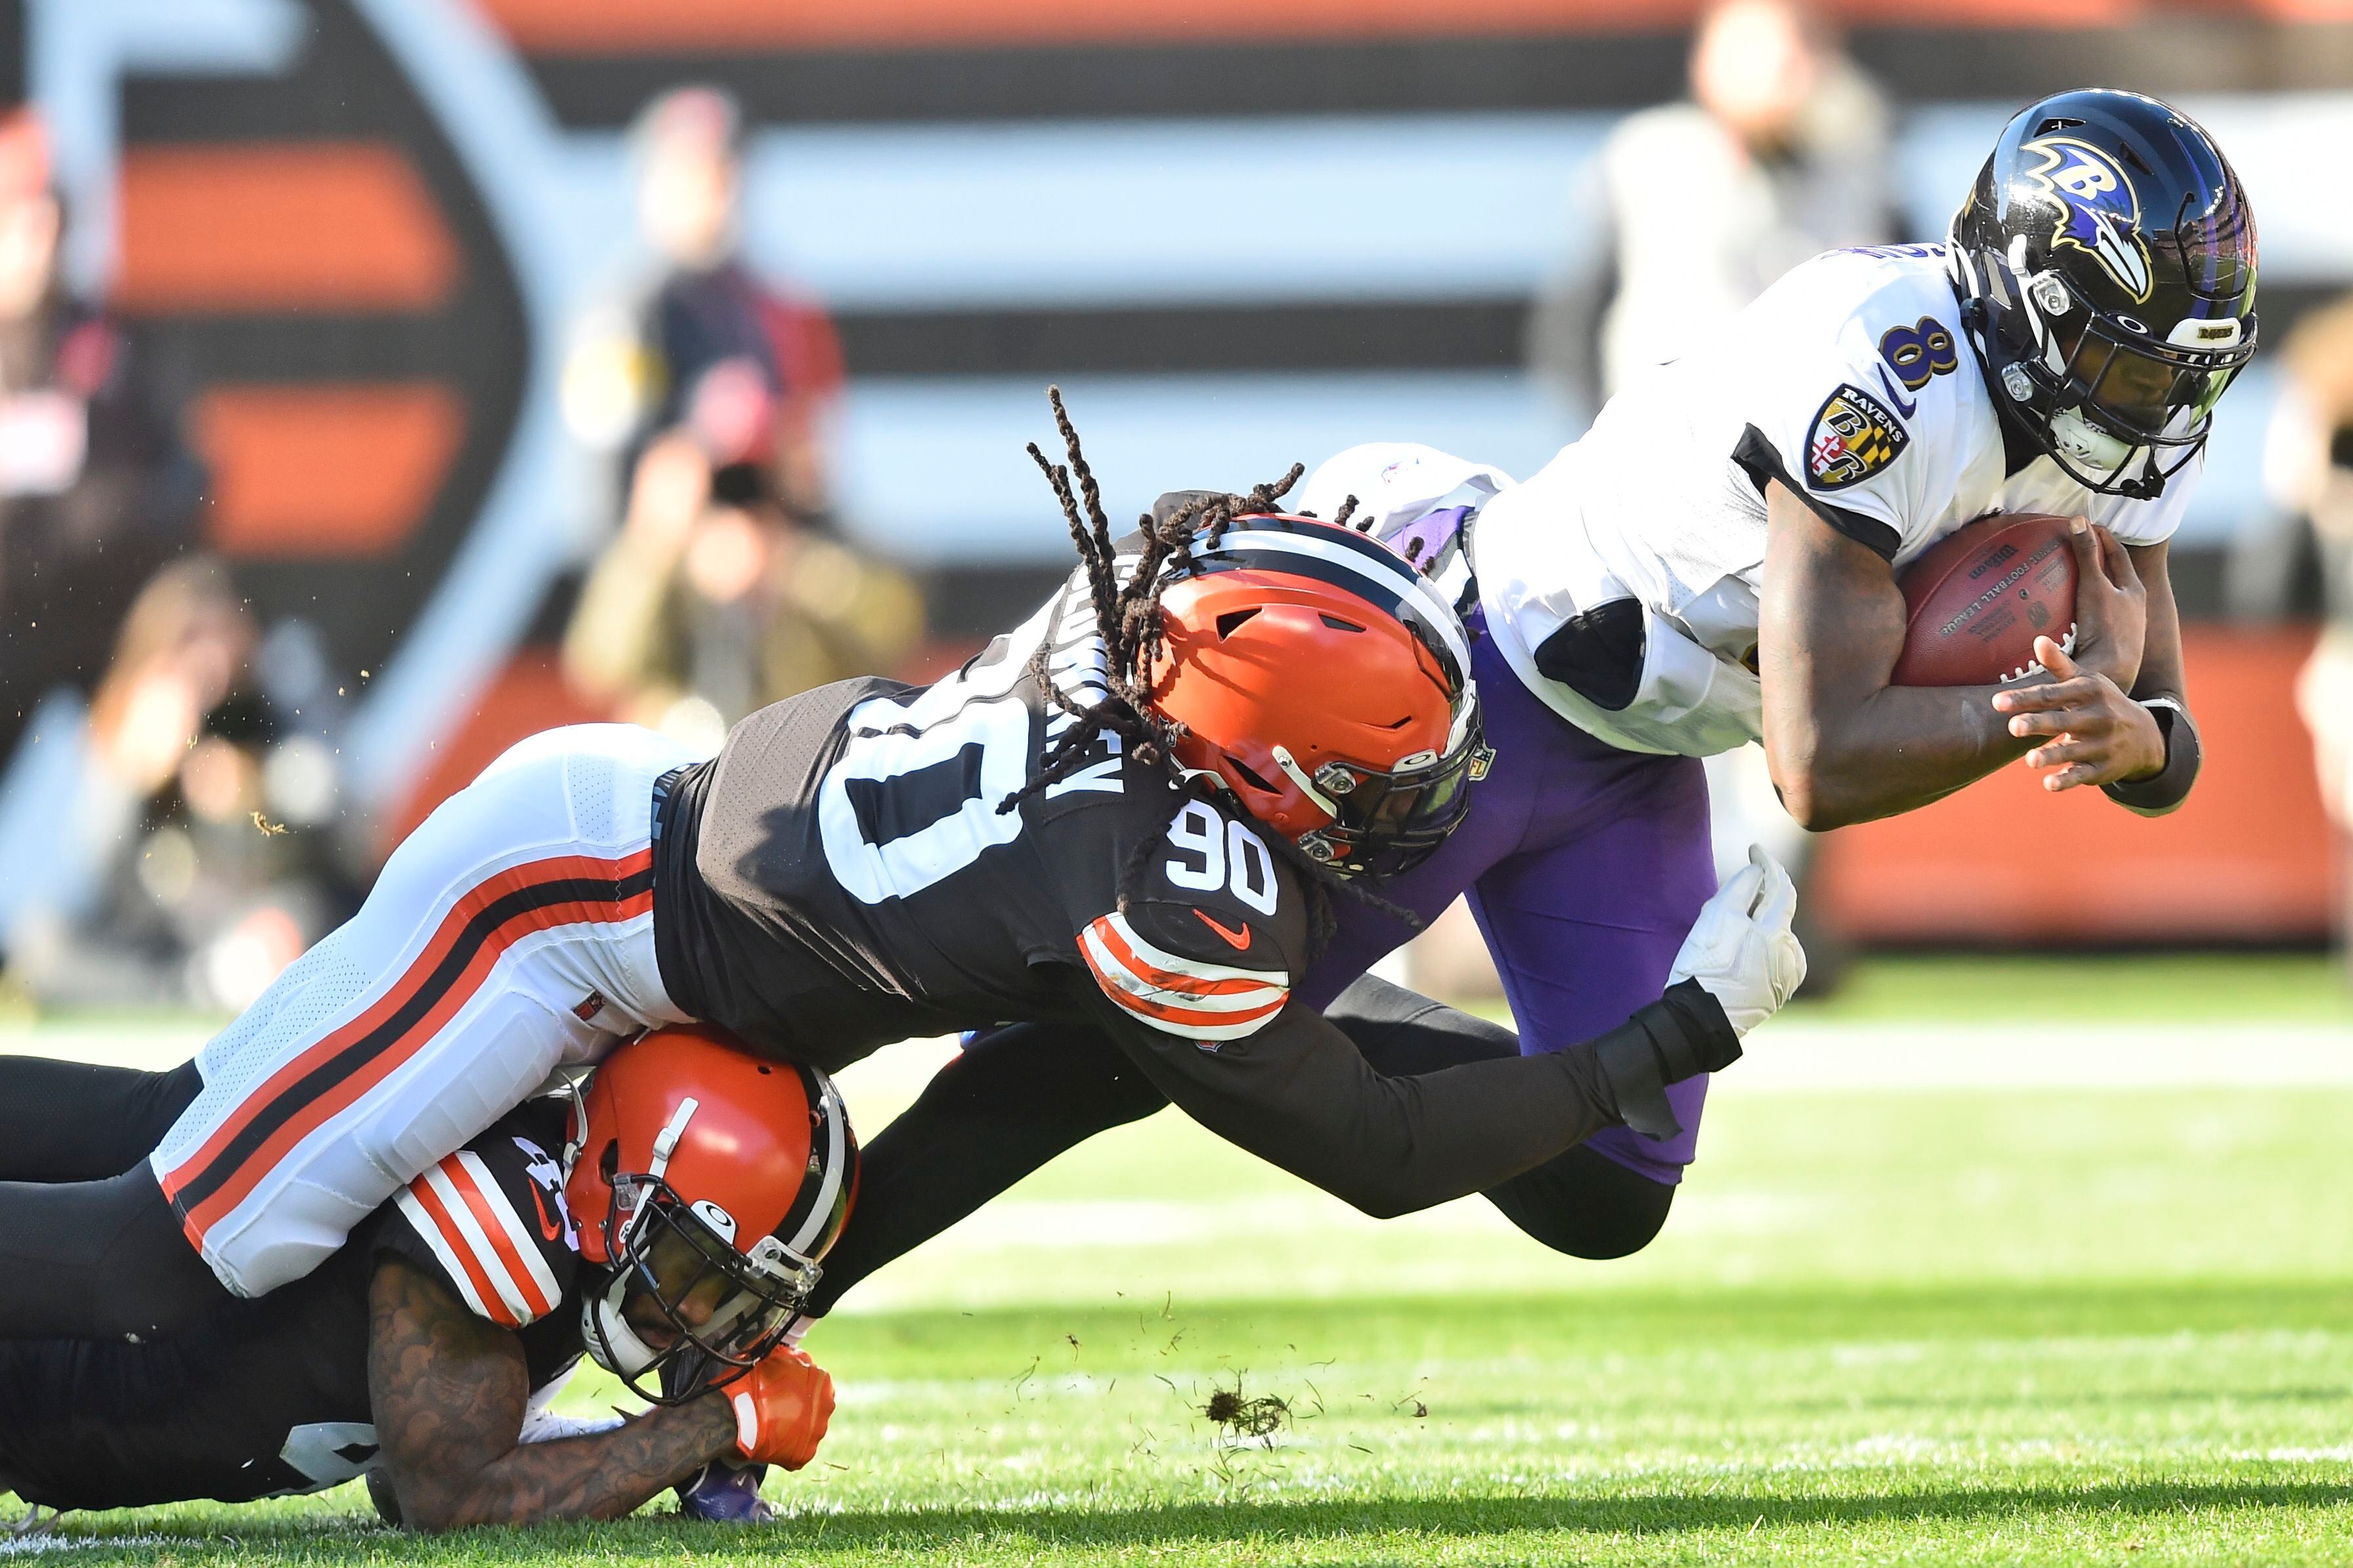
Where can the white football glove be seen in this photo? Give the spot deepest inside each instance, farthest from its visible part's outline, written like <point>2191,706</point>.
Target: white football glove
<point>1741,949</point>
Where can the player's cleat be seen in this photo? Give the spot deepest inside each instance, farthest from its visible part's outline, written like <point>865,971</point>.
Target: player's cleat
<point>722,1493</point>
<point>35,1521</point>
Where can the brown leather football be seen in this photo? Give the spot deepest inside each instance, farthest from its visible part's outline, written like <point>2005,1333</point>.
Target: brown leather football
<point>1976,602</point>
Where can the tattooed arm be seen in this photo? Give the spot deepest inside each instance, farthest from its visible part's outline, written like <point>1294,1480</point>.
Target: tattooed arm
<point>448,1391</point>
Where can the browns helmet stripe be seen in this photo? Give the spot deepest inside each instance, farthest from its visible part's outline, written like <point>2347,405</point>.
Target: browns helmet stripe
<point>822,1206</point>
<point>1350,561</point>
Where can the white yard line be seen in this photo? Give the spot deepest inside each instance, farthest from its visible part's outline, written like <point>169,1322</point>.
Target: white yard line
<point>1799,1055</point>
<point>151,1046</point>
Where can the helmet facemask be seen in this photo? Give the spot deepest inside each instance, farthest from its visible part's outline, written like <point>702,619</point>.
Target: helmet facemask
<point>1386,822</point>
<point>673,1266</point>
<point>720,1311</point>
<point>2120,410</point>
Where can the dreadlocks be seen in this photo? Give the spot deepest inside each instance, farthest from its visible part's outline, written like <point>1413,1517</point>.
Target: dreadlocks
<point>1127,612</point>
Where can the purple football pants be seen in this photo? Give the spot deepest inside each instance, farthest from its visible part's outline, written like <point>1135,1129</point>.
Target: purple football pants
<point>1585,866</point>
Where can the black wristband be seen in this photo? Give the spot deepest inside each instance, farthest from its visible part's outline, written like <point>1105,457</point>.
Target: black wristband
<point>1706,1041</point>
<point>1682,1035</point>
<point>2170,785</point>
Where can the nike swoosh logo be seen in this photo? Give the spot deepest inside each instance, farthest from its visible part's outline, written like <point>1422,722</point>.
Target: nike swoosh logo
<point>547,1226</point>
<point>1239,940</point>
<point>1905,409</point>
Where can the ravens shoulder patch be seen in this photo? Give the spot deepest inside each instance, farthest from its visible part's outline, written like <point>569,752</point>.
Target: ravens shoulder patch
<point>1854,435</point>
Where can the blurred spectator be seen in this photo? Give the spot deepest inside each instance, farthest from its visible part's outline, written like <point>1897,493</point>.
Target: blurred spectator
<point>1691,209</point>
<point>97,487</point>
<point>2308,470</point>
<point>704,610</point>
<point>177,865</point>
<point>698,340</point>
<point>727,588</point>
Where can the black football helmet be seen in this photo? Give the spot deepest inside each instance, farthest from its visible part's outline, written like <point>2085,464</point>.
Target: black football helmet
<point>2106,261</point>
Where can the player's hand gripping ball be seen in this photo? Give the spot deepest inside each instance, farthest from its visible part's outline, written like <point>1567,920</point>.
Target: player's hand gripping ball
<point>1741,949</point>
<point>1977,600</point>
<point>781,1406</point>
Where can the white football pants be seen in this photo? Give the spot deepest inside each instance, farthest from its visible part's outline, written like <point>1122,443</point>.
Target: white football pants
<point>512,933</point>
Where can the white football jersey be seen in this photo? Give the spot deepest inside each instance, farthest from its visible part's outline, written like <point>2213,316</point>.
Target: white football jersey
<point>1851,383</point>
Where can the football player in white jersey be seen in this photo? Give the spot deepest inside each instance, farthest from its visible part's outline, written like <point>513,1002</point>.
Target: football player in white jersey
<point>1740,515</point>
<point>1714,564</point>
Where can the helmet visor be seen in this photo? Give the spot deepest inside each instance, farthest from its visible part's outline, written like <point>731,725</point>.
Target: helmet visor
<point>2149,395</point>
<point>1388,821</point>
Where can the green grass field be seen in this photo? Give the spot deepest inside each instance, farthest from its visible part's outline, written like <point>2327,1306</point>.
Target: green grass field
<point>1947,1322</point>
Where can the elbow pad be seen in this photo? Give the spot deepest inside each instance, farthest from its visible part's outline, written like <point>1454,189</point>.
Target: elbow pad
<point>1682,1035</point>
<point>2169,786</point>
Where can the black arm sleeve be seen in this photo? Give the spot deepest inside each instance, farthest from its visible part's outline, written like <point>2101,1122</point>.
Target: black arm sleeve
<point>1298,1095</point>
<point>1022,1095</point>
<point>1579,1203</point>
<point>2155,796</point>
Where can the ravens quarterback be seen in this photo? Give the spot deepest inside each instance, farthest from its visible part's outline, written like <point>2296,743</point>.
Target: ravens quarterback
<point>670,1230</point>
<point>1138,812</point>
<point>1714,564</point>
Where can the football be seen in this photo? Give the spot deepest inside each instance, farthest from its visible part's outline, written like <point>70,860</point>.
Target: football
<point>1976,602</point>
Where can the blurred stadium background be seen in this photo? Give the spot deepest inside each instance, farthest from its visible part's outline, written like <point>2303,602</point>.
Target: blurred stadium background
<point>374,264</point>
<point>363,245</point>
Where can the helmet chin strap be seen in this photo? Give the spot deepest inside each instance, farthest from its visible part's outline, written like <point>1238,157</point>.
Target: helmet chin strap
<point>611,1342</point>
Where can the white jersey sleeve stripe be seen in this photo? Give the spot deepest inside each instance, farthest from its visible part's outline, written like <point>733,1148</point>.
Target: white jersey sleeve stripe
<point>470,1238</point>
<point>1233,1010</point>
<point>428,1226</point>
<point>541,1290</point>
<point>1173,964</point>
<point>1115,971</point>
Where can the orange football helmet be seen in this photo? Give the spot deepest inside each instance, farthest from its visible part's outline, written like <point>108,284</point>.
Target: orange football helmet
<point>698,1170</point>
<point>1326,685</point>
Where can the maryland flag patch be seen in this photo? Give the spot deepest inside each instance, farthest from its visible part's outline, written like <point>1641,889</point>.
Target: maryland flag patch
<point>1853,438</point>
